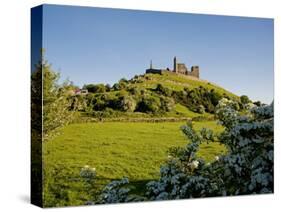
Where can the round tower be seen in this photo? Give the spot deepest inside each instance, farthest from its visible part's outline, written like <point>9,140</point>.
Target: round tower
<point>175,65</point>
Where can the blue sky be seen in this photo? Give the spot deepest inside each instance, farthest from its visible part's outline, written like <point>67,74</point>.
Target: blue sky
<point>95,45</point>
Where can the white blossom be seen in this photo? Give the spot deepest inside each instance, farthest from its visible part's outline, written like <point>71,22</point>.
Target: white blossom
<point>194,164</point>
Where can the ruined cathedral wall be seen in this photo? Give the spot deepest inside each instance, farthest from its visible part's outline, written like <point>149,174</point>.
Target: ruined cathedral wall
<point>194,71</point>
<point>182,68</point>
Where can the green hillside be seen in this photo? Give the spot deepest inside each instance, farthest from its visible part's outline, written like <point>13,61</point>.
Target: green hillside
<point>154,95</point>
<point>177,82</point>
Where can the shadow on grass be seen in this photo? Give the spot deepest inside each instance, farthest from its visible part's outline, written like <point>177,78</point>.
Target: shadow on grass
<point>136,186</point>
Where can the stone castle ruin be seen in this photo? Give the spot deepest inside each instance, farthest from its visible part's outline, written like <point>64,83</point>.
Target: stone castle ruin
<point>179,68</point>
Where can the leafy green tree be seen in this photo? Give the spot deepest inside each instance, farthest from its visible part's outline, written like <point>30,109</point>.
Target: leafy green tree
<point>95,88</point>
<point>56,103</point>
<point>123,80</point>
<point>258,103</point>
<point>244,99</point>
<point>116,87</point>
<point>149,104</point>
<point>163,90</point>
<point>99,102</point>
<point>167,104</point>
<point>127,103</point>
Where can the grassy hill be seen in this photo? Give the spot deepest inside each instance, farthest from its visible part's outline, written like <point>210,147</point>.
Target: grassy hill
<point>148,111</point>
<point>178,82</point>
<point>157,95</point>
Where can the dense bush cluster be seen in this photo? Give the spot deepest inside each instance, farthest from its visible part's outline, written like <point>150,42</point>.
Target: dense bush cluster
<point>98,88</point>
<point>126,98</point>
<point>131,100</point>
<point>247,168</point>
<point>192,98</point>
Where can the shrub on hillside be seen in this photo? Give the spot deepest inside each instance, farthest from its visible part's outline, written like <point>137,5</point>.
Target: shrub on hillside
<point>95,88</point>
<point>148,104</point>
<point>244,99</point>
<point>167,104</point>
<point>201,109</point>
<point>135,91</point>
<point>121,85</point>
<point>193,98</point>
<point>99,103</point>
<point>162,90</point>
<point>126,103</point>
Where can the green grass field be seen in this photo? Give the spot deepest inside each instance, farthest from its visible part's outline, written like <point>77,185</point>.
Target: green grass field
<point>133,150</point>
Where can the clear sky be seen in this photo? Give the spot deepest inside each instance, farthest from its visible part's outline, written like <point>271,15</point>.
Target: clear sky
<point>94,45</point>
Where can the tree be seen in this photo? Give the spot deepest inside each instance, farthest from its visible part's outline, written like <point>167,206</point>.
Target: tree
<point>167,104</point>
<point>56,102</point>
<point>163,90</point>
<point>149,104</point>
<point>95,88</point>
<point>244,99</point>
<point>127,103</point>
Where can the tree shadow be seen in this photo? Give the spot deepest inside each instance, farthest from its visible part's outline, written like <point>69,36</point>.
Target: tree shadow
<point>136,186</point>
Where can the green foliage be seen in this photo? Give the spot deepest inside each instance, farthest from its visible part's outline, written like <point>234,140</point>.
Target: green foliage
<point>78,102</point>
<point>56,102</point>
<point>126,103</point>
<point>154,96</point>
<point>96,88</point>
<point>258,103</point>
<point>198,99</point>
<point>201,109</point>
<point>157,95</point>
<point>149,104</point>
<point>121,85</point>
<point>167,104</point>
<point>244,99</point>
<point>162,90</point>
<point>116,192</point>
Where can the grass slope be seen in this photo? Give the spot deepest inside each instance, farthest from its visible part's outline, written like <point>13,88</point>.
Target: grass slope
<point>179,82</point>
<point>134,150</point>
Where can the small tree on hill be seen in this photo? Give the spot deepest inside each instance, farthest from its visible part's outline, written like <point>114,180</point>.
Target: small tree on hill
<point>56,102</point>
<point>244,99</point>
<point>95,88</point>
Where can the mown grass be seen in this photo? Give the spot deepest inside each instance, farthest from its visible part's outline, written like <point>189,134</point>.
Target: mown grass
<point>116,150</point>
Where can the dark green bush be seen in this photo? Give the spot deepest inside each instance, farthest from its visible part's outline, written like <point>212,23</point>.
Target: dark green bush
<point>160,89</point>
<point>149,105</point>
<point>95,88</point>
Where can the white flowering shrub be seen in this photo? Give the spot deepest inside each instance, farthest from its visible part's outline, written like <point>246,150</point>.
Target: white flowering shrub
<point>247,168</point>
